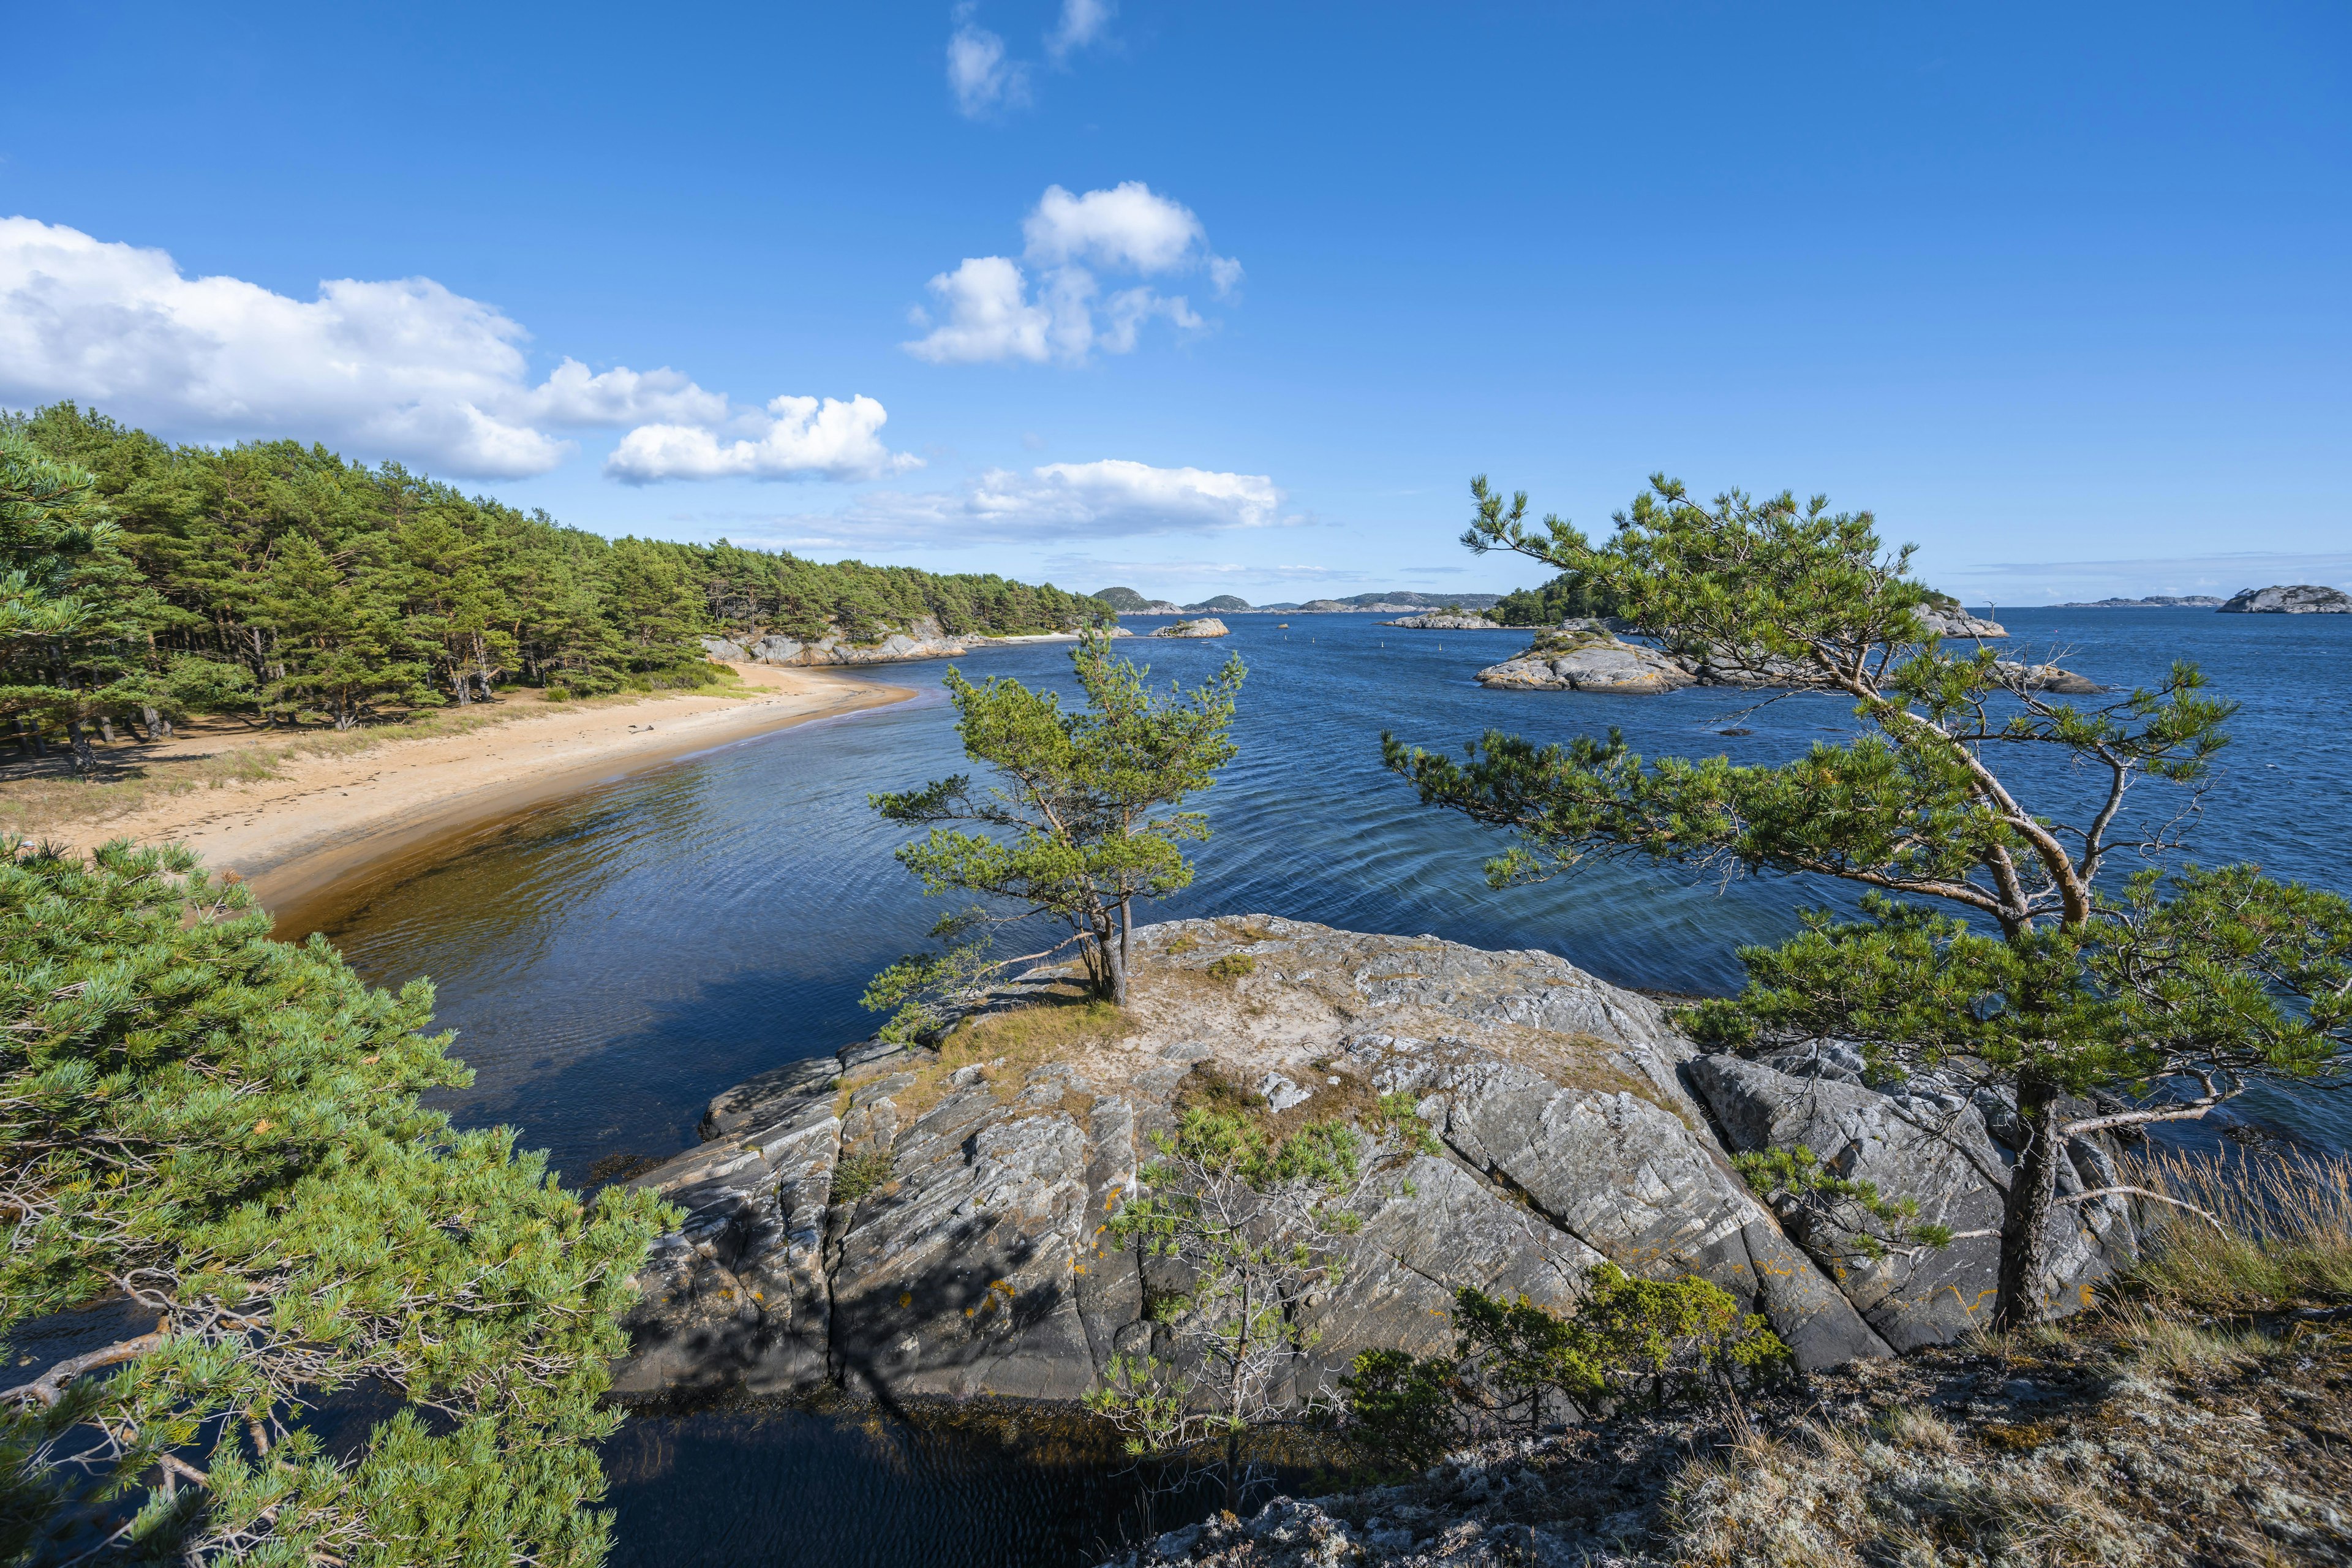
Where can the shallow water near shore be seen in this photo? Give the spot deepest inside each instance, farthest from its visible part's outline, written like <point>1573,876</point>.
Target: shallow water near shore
<point>611,960</point>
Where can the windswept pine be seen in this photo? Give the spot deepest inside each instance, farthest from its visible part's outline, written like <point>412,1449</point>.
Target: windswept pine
<point>2169,995</point>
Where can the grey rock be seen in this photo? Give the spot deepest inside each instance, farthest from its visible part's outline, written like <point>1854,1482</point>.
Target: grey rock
<point>1927,1144</point>
<point>1959,623</point>
<point>720,647</point>
<point>1446,623</point>
<point>1205,626</point>
<point>2047,678</point>
<point>1566,1133</point>
<point>777,648</point>
<point>1587,661</point>
<point>2289,599</point>
<point>958,1276</point>
<point>739,1296</point>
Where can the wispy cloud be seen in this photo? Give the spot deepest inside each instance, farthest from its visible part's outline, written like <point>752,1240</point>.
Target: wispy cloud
<point>1110,498</point>
<point>983,80</point>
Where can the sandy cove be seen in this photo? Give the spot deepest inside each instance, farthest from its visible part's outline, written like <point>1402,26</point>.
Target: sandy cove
<point>322,820</point>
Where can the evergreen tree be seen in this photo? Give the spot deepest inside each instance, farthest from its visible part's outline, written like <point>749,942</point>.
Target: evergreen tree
<point>2171,994</point>
<point>71,606</point>
<point>408,593</point>
<point>1081,825</point>
<point>219,1135</point>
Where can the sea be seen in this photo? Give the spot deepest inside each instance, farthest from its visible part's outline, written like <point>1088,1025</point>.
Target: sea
<point>611,960</point>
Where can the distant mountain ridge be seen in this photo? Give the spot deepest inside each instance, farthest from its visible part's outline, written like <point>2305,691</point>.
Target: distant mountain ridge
<point>1128,602</point>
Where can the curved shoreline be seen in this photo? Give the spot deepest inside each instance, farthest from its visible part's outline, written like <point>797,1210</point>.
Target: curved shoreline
<point>324,831</point>
<point>306,882</point>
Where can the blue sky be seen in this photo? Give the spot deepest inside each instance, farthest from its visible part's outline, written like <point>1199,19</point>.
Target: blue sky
<point>1230,297</point>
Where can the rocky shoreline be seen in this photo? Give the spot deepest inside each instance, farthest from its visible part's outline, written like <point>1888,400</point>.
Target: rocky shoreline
<point>922,641</point>
<point>908,1222</point>
<point>1585,656</point>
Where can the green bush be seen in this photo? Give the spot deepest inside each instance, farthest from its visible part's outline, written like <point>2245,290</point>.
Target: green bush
<point>221,1135</point>
<point>1401,1409</point>
<point>860,1173</point>
<point>1516,1365</point>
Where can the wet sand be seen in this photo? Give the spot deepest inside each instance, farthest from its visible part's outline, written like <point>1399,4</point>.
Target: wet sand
<point>322,822</point>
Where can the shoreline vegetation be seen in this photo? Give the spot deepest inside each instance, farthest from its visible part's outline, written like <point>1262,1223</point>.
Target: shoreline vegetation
<point>282,584</point>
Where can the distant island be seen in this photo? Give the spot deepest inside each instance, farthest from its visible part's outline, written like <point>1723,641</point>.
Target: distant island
<point>2153,602</point>
<point>2290,599</point>
<point>1128,602</point>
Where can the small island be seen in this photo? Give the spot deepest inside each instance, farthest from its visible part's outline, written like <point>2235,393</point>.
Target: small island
<point>2290,599</point>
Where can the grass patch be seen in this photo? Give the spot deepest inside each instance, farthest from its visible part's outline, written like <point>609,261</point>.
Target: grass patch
<point>2285,1238</point>
<point>1007,1046</point>
<point>1233,966</point>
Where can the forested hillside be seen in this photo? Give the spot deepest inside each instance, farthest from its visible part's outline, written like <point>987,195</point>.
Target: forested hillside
<point>285,582</point>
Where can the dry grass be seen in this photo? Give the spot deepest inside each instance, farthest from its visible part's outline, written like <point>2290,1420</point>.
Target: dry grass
<point>2285,1238</point>
<point>1008,1045</point>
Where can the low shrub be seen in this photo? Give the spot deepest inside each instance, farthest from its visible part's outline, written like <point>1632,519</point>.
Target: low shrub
<point>860,1175</point>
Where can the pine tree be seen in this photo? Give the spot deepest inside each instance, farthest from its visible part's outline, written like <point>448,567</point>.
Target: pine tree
<point>220,1134</point>
<point>71,605</point>
<point>2171,994</point>
<point>1081,820</point>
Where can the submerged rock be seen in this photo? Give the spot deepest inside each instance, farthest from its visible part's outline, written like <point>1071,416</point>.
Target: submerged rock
<point>891,1221</point>
<point>2289,599</point>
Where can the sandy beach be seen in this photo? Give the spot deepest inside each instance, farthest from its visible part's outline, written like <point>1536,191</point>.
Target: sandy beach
<point>319,820</point>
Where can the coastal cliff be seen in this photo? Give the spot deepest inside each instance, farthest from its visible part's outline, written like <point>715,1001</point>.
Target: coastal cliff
<point>909,1222</point>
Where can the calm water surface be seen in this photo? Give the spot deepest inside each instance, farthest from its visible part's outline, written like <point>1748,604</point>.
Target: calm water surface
<point>612,962</point>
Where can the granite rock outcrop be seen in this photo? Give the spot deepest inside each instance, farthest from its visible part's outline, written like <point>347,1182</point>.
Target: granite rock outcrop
<point>906,1222</point>
<point>1441,622</point>
<point>922,641</point>
<point>1203,627</point>
<point>2289,599</point>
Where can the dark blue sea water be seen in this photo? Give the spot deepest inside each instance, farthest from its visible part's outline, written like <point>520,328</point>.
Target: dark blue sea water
<point>613,960</point>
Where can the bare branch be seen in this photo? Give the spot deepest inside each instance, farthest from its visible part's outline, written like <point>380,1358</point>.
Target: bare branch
<point>47,1389</point>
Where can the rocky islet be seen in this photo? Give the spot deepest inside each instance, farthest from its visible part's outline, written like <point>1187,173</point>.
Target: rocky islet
<point>889,1223</point>
<point>2289,599</point>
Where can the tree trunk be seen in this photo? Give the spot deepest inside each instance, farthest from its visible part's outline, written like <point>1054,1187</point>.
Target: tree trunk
<point>158,727</point>
<point>85,760</point>
<point>2025,1216</point>
<point>1113,988</point>
<point>1126,926</point>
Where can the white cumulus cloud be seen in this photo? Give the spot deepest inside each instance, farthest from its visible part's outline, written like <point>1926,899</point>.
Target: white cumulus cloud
<point>988,313</point>
<point>403,369</point>
<point>802,438</point>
